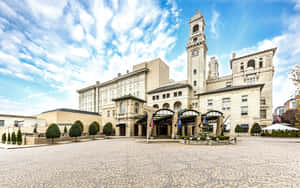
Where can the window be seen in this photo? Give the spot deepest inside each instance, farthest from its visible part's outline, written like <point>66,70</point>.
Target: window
<point>1,123</point>
<point>209,102</point>
<point>263,114</point>
<point>244,98</point>
<point>164,96</point>
<point>175,94</point>
<point>157,97</point>
<point>245,128</point>
<point>123,108</point>
<point>114,113</point>
<point>108,113</point>
<point>155,106</point>
<point>153,98</point>
<point>226,103</point>
<point>195,52</point>
<point>250,79</point>
<point>195,28</point>
<point>195,71</point>
<point>228,84</point>
<point>242,68</point>
<point>168,95</point>
<point>180,93</point>
<point>136,108</point>
<point>262,101</point>
<point>260,64</point>
<point>195,39</point>
<point>251,65</point>
<point>195,83</point>
<point>244,110</point>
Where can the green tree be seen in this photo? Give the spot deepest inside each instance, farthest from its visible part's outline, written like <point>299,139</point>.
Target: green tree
<point>286,133</point>
<point>238,129</point>
<point>80,124</point>
<point>255,129</point>
<point>107,129</point>
<point>52,132</point>
<point>8,138</point>
<point>3,138</point>
<point>93,129</point>
<point>293,133</point>
<point>97,125</point>
<point>274,133</point>
<point>75,130</point>
<point>13,138</point>
<point>19,137</point>
<point>267,133</point>
<point>65,130</point>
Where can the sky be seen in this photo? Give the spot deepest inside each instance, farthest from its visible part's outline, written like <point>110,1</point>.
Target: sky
<point>50,49</point>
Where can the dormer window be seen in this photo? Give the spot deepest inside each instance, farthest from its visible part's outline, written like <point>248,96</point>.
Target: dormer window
<point>195,28</point>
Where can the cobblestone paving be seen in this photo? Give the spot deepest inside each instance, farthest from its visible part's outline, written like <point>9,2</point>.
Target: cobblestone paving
<point>253,162</point>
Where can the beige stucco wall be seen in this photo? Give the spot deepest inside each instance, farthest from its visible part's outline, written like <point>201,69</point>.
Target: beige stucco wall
<point>234,113</point>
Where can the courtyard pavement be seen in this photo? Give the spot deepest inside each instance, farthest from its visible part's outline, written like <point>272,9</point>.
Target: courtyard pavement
<point>253,162</point>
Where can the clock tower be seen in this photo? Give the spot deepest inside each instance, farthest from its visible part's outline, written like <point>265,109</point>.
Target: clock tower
<point>196,54</point>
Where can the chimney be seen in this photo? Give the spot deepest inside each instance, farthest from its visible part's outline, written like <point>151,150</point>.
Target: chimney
<point>233,55</point>
<point>119,74</point>
<point>127,71</point>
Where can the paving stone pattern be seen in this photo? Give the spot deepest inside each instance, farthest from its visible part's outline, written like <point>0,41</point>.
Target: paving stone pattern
<point>253,162</point>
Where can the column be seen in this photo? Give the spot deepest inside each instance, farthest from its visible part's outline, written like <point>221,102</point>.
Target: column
<point>174,122</point>
<point>149,118</point>
<point>154,130</point>
<point>182,130</point>
<point>140,130</point>
<point>127,131</point>
<point>219,126</point>
<point>169,130</point>
<point>189,131</point>
<point>117,131</point>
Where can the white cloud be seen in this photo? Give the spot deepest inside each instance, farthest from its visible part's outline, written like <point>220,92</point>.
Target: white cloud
<point>78,33</point>
<point>213,23</point>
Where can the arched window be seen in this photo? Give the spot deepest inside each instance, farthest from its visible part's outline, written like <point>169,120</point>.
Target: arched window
<point>136,108</point>
<point>195,71</point>
<point>177,106</point>
<point>251,64</point>
<point>166,105</point>
<point>260,64</point>
<point>123,107</point>
<point>195,39</point>
<point>195,83</point>
<point>155,106</point>
<point>195,28</point>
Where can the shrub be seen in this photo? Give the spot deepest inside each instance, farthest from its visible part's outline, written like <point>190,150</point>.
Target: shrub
<point>13,138</point>
<point>184,137</point>
<point>93,129</point>
<point>80,124</point>
<point>34,130</point>
<point>65,130</point>
<point>75,130</point>
<point>19,137</point>
<point>223,137</point>
<point>279,133</point>
<point>298,133</point>
<point>107,129</point>
<point>202,138</point>
<point>212,137</point>
<point>52,132</point>
<point>263,134</point>
<point>238,129</point>
<point>194,138</point>
<point>274,133</point>
<point>293,133</point>
<point>97,125</point>
<point>286,133</point>
<point>8,138</point>
<point>3,138</point>
<point>255,129</point>
<point>267,133</point>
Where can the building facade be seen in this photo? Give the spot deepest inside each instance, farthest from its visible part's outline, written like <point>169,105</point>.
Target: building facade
<point>244,97</point>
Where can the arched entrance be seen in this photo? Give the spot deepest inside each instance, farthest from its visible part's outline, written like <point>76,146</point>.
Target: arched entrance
<point>166,106</point>
<point>189,122</point>
<point>140,126</point>
<point>213,122</point>
<point>162,120</point>
<point>122,129</point>
<point>177,106</point>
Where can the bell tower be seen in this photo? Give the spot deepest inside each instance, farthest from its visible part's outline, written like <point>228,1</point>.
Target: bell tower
<point>196,54</point>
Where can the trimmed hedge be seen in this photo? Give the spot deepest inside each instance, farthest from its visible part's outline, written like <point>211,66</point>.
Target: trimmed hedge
<point>3,138</point>
<point>223,137</point>
<point>93,129</point>
<point>53,132</point>
<point>75,130</point>
<point>280,133</point>
<point>107,129</point>
<point>19,137</point>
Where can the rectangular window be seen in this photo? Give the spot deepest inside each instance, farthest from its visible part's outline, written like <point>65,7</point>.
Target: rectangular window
<point>1,123</point>
<point>157,97</point>
<point>228,84</point>
<point>244,110</point>
<point>262,101</point>
<point>164,96</point>
<point>263,114</point>
<point>153,98</point>
<point>180,93</point>
<point>168,95</point>
<point>245,128</point>
<point>244,98</point>
<point>108,113</point>
<point>175,94</point>
<point>226,103</point>
<point>209,102</point>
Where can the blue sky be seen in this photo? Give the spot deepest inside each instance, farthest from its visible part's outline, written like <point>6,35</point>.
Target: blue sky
<point>49,49</point>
